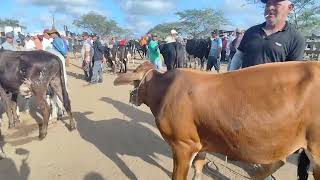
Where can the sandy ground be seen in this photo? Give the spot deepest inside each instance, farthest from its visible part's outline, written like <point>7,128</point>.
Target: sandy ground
<point>113,141</point>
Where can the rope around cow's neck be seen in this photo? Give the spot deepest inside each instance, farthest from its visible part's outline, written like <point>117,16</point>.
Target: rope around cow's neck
<point>142,79</point>
<point>140,83</point>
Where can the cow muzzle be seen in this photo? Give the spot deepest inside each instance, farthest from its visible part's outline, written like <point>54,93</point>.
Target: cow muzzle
<point>134,97</point>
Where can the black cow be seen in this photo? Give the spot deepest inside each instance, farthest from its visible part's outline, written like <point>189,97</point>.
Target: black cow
<point>198,48</point>
<point>32,73</point>
<point>173,54</point>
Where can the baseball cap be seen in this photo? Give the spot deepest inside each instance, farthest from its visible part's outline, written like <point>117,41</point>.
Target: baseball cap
<point>85,34</point>
<point>173,31</point>
<point>45,31</point>
<point>9,35</point>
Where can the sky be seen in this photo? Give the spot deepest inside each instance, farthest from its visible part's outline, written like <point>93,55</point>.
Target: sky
<point>137,15</point>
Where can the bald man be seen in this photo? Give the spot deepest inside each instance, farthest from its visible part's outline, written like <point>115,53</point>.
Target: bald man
<point>273,41</point>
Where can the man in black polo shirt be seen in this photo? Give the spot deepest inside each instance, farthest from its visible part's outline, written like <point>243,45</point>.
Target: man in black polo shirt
<point>273,41</point>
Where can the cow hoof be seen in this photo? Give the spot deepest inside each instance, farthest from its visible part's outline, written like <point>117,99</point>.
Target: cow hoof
<point>11,126</point>
<point>59,117</point>
<point>72,127</point>
<point>42,136</point>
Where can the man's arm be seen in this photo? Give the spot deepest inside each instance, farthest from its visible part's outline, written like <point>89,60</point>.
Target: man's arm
<point>236,61</point>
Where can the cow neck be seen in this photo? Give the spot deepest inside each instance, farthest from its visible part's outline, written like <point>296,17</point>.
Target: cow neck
<point>155,90</point>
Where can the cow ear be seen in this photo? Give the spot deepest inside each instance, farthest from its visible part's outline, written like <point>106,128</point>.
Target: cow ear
<point>126,78</point>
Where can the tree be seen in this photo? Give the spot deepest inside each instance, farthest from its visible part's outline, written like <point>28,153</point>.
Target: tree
<point>199,23</point>
<point>305,16</point>
<point>163,30</point>
<point>96,23</point>
<point>11,22</point>
<point>194,23</point>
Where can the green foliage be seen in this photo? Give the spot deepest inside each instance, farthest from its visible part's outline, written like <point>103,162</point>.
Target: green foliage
<point>96,23</point>
<point>163,30</point>
<point>199,23</point>
<point>194,23</point>
<point>10,22</point>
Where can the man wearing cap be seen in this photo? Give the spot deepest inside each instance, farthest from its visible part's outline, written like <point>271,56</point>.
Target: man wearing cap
<point>98,60</point>
<point>215,51</point>
<point>8,45</point>
<point>47,40</point>
<point>275,40</point>
<point>86,53</point>
<point>173,36</point>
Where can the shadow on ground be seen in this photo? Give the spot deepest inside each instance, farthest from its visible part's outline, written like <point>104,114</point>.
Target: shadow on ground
<point>116,137</point>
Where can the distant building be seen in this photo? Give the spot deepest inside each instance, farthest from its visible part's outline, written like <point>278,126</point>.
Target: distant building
<point>5,29</point>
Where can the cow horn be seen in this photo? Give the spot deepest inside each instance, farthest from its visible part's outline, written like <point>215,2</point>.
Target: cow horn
<point>126,78</point>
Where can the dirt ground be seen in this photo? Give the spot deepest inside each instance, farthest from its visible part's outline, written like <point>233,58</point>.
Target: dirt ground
<point>113,141</point>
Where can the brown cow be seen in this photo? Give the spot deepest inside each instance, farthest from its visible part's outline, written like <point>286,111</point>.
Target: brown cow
<point>258,115</point>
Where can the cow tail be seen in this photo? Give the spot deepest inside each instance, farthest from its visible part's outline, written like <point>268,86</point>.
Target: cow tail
<point>65,95</point>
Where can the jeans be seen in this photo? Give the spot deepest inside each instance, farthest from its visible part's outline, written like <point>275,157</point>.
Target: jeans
<point>157,64</point>
<point>235,64</point>
<point>213,61</point>
<point>97,71</point>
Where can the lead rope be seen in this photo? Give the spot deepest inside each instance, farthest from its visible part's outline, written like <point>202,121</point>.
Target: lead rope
<point>137,88</point>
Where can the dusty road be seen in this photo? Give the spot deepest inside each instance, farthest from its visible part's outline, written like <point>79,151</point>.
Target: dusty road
<point>113,141</point>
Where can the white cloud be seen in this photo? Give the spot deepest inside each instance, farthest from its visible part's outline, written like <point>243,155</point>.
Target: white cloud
<point>138,23</point>
<point>147,7</point>
<point>138,11</point>
<point>241,13</point>
<point>69,7</point>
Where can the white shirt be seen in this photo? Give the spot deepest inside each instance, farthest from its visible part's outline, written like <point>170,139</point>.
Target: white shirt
<point>30,45</point>
<point>170,39</point>
<point>87,48</point>
<point>47,43</point>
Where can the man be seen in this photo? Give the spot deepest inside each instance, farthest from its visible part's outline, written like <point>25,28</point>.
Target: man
<point>8,45</point>
<point>87,53</point>
<point>47,40</point>
<point>29,43</point>
<point>173,36</point>
<point>234,44</point>
<point>58,48</point>
<point>154,52</point>
<point>224,47</point>
<point>215,51</point>
<point>98,60</point>
<point>273,41</point>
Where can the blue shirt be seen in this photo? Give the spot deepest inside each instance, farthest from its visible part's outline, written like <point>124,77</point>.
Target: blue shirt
<point>215,45</point>
<point>8,46</point>
<point>58,44</point>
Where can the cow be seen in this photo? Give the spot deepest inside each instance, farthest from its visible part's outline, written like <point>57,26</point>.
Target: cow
<point>258,115</point>
<point>173,54</point>
<point>32,73</point>
<point>198,48</point>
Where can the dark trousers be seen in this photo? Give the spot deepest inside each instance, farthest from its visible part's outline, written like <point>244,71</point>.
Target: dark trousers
<point>223,55</point>
<point>86,66</point>
<point>213,62</point>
